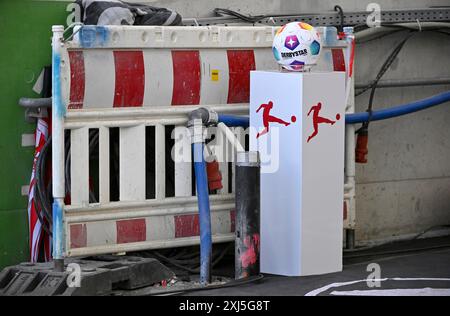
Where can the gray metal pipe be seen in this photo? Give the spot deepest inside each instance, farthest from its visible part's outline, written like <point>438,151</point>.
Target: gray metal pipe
<point>35,103</point>
<point>418,26</point>
<point>406,83</point>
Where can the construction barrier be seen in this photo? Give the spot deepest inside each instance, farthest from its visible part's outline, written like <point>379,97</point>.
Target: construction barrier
<point>133,88</point>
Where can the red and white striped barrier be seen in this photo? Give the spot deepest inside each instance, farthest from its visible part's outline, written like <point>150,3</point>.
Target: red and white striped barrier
<point>142,78</point>
<point>152,71</point>
<point>123,76</point>
<point>146,233</point>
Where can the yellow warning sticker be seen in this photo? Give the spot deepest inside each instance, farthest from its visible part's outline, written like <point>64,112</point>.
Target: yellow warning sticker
<point>215,75</point>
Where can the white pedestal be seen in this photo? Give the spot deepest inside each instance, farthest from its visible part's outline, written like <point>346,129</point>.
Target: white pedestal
<point>302,173</point>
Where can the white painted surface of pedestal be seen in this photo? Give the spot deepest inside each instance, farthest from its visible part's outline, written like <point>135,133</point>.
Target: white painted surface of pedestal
<point>302,172</point>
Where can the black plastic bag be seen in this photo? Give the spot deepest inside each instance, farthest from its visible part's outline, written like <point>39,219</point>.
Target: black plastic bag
<point>116,12</point>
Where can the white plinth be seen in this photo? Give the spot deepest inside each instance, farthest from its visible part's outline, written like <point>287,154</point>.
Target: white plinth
<point>302,180</point>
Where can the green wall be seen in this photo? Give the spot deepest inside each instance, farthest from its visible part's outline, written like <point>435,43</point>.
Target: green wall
<point>25,33</point>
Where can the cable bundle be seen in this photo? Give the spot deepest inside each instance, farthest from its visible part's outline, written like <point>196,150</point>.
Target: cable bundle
<point>187,260</point>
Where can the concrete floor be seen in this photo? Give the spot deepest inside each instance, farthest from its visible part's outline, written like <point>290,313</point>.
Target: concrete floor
<point>420,267</point>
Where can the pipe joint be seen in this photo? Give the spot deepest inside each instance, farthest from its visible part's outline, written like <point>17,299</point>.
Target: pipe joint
<point>206,117</point>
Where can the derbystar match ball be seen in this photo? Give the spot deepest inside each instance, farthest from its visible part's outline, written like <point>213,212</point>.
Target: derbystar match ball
<point>297,46</point>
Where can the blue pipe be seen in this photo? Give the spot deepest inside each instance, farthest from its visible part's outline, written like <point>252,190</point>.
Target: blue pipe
<point>355,118</point>
<point>234,121</point>
<point>204,213</point>
<point>398,110</point>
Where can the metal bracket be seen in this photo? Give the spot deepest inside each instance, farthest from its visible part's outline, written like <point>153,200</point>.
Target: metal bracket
<point>332,18</point>
<point>35,108</point>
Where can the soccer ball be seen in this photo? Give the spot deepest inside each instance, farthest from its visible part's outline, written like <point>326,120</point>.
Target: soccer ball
<point>297,46</point>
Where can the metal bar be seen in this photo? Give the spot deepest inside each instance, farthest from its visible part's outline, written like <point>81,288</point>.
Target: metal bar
<point>178,201</point>
<point>332,18</point>
<point>35,103</point>
<point>58,114</point>
<point>150,112</point>
<point>349,168</point>
<point>149,116</point>
<point>130,213</point>
<point>393,83</point>
<point>125,123</point>
<point>160,244</point>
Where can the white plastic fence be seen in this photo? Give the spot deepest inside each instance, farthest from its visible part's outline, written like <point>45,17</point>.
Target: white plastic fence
<point>143,82</point>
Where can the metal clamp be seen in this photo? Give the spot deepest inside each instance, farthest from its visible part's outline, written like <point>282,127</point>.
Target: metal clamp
<point>35,108</point>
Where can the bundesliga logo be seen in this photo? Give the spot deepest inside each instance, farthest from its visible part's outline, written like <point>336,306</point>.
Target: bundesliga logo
<point>301,52</point>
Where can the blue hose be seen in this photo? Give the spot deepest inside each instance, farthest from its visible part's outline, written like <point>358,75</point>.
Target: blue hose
<point>234,121</point>
<point>355,118</point>
<point>204,213</point>
<point>398,110</point>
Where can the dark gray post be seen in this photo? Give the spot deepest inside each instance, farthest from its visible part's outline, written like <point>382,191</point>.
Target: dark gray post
<point>247,215</point>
